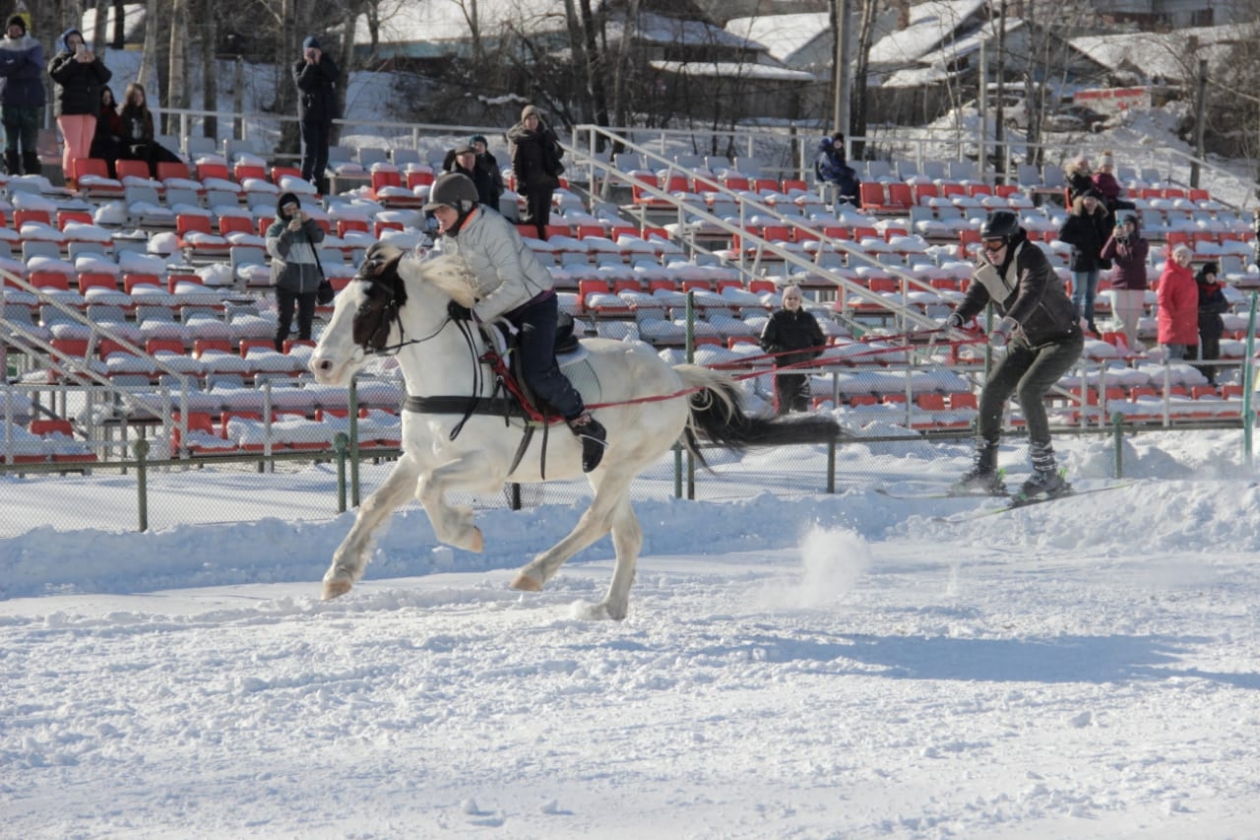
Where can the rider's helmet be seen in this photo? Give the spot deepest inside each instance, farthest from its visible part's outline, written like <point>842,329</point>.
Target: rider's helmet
<point>455,190</point>
<point>1001,224</point>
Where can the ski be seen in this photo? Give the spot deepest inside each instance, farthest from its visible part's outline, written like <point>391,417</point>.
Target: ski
<point>911,497</point>
<point>1014,503</point>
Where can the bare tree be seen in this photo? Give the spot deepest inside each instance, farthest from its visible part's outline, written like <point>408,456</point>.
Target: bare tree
<point>177,94</point>
<point>861,97</point>
<point>209,32</point>
<point>100,28</point>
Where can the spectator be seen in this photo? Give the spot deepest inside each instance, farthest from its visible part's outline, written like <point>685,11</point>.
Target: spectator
<point>107,141</point>
<point>138,137</point>
<point>1127,249</point>
<point>1106,185</point>
<point>1080,179</point>
<point>513,284</point>
<point>463,159</point>
<point>316,77</point>
<point>1212,305</point>
<point>487,161</point>
<point>1086,230</point>
<point>795,336</point>
<point>536,164</point>
<point>831,168</point>
<point>295,270</point>
<point>1178,306</point>
<point>79,75</point>
<point>1042,340</point>
<point>21,97</point>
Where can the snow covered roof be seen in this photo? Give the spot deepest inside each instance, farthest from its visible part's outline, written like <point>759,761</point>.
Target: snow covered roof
<point>444,20</point>
<point>658,29</point>
<point>732,69</point>
<point>782,35</point>
<point>940,64</point>
<point>930,24</point>
<point>1156,54</point>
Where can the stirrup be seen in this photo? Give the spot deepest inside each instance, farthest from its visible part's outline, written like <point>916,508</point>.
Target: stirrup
<point>594,438</point>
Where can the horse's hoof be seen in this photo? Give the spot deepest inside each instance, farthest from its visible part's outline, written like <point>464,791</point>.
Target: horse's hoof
<point>525,583</point>
<point>478,542</point>
<point>335,589</point>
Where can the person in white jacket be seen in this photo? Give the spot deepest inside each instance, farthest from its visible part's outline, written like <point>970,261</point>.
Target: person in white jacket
<point>512,284</point>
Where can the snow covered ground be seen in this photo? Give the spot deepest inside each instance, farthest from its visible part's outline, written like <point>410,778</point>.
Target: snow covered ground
<point>803,666</point>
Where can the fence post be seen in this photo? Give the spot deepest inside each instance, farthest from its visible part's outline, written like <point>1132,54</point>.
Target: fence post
<point>142,481</point>
<point>1117,425</point>
<point>515,497</point>
<point>691,358</point>
<point>1249,382</point>
<point>353,400</point>
<point>831,463</point>
<point>341,443</point>
<point>678,470</point>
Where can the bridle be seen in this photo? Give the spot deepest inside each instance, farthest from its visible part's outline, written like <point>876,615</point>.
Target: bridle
<point>382,275</point>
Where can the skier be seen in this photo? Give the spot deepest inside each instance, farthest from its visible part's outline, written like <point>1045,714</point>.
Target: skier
<point>1043,339</point>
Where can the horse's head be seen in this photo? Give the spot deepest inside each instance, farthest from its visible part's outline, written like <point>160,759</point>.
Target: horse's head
<point>368,315</point>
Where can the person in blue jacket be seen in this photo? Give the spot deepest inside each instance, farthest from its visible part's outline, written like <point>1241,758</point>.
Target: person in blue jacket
<point>21,96</point>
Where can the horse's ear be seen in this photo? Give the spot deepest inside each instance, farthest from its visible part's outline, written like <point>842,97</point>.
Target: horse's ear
<point>379,259</point>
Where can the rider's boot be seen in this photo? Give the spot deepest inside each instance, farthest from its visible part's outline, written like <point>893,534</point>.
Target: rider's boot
<point>594,439</point>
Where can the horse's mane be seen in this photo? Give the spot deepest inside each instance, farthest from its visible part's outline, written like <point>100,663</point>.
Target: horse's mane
<point>448,272</point>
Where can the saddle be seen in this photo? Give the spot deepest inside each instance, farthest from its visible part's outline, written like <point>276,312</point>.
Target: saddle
<point>568,350</point>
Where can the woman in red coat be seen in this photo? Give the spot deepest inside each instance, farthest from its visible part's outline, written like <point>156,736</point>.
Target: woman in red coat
<point>1178,306</point>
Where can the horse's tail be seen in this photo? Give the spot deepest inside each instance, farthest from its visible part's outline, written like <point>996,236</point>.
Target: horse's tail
<point>717,416</point>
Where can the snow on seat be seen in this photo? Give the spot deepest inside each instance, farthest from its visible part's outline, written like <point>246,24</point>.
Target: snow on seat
<point>259,187</point>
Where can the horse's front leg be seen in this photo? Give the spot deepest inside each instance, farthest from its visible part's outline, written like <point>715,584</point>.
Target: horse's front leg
<point>351,556</point>
<point>453,525</point>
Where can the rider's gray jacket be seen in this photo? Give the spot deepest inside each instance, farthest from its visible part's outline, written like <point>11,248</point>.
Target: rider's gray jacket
<point>505,271</point>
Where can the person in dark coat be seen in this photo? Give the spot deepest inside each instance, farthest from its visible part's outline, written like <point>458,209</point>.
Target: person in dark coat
<point>832,168</point>
<point>107,143</point>
<point>1128,249</point>
<point>1086,230</point>
<point>1080,178</point>
<point>138,138</point>
<point>536,163</point>
<point>463,159</point>
<point>1212,305</point>
<point>295,269</point>
<point>487,161</point>
<point>792,329</point>
<point>21,96</point>
<point>1043,339</point>
<point>316,76</point>
<point>79,75</point>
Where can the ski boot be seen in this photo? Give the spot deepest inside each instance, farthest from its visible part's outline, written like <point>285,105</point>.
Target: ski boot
<point>984,478</point>
<point>1044,484</point>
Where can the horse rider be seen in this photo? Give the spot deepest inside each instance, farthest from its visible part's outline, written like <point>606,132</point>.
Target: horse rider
<point>512,284</point>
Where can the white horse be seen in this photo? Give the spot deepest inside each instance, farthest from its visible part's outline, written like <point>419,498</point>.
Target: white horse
<point>399,306</point>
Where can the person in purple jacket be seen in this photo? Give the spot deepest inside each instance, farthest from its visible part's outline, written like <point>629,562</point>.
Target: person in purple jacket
<point>1127,250</point>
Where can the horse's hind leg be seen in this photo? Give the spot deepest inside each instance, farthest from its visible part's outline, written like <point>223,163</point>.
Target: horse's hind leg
<point>627,537</point>
<point>594,523</point>
<point>350,558</point>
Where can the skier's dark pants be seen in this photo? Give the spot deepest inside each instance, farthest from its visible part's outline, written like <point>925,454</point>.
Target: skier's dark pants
<point>1029,374</point>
